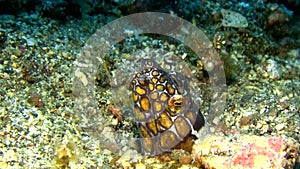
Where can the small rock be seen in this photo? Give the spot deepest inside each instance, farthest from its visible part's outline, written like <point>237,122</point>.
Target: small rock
<point>277,18</point>
<point>31,42</point>
<point>165,158</point>
<point>279,127</point>
<point>10,156</point>
<point>279,15</point>
<point>140,166</point>
<point>272,69</point>
<point>82,77</point>
<point>294,53</point>
<point>125,164</point>
<point>185,159</point>
<point>233,19</point>
<point>3,37</point>
<point>36,100</point>
<point>51,53</point>
<point>245,121</point>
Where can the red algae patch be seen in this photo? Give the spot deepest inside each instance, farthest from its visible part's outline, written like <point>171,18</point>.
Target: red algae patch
<point>245,151</point>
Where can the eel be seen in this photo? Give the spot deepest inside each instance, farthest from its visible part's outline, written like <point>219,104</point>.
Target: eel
<point>165,113</point>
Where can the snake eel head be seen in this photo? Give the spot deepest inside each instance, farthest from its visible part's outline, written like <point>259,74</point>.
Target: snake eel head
<point>165,113</point>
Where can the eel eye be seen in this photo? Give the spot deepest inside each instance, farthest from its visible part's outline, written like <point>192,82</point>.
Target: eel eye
<point>175,103</point>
